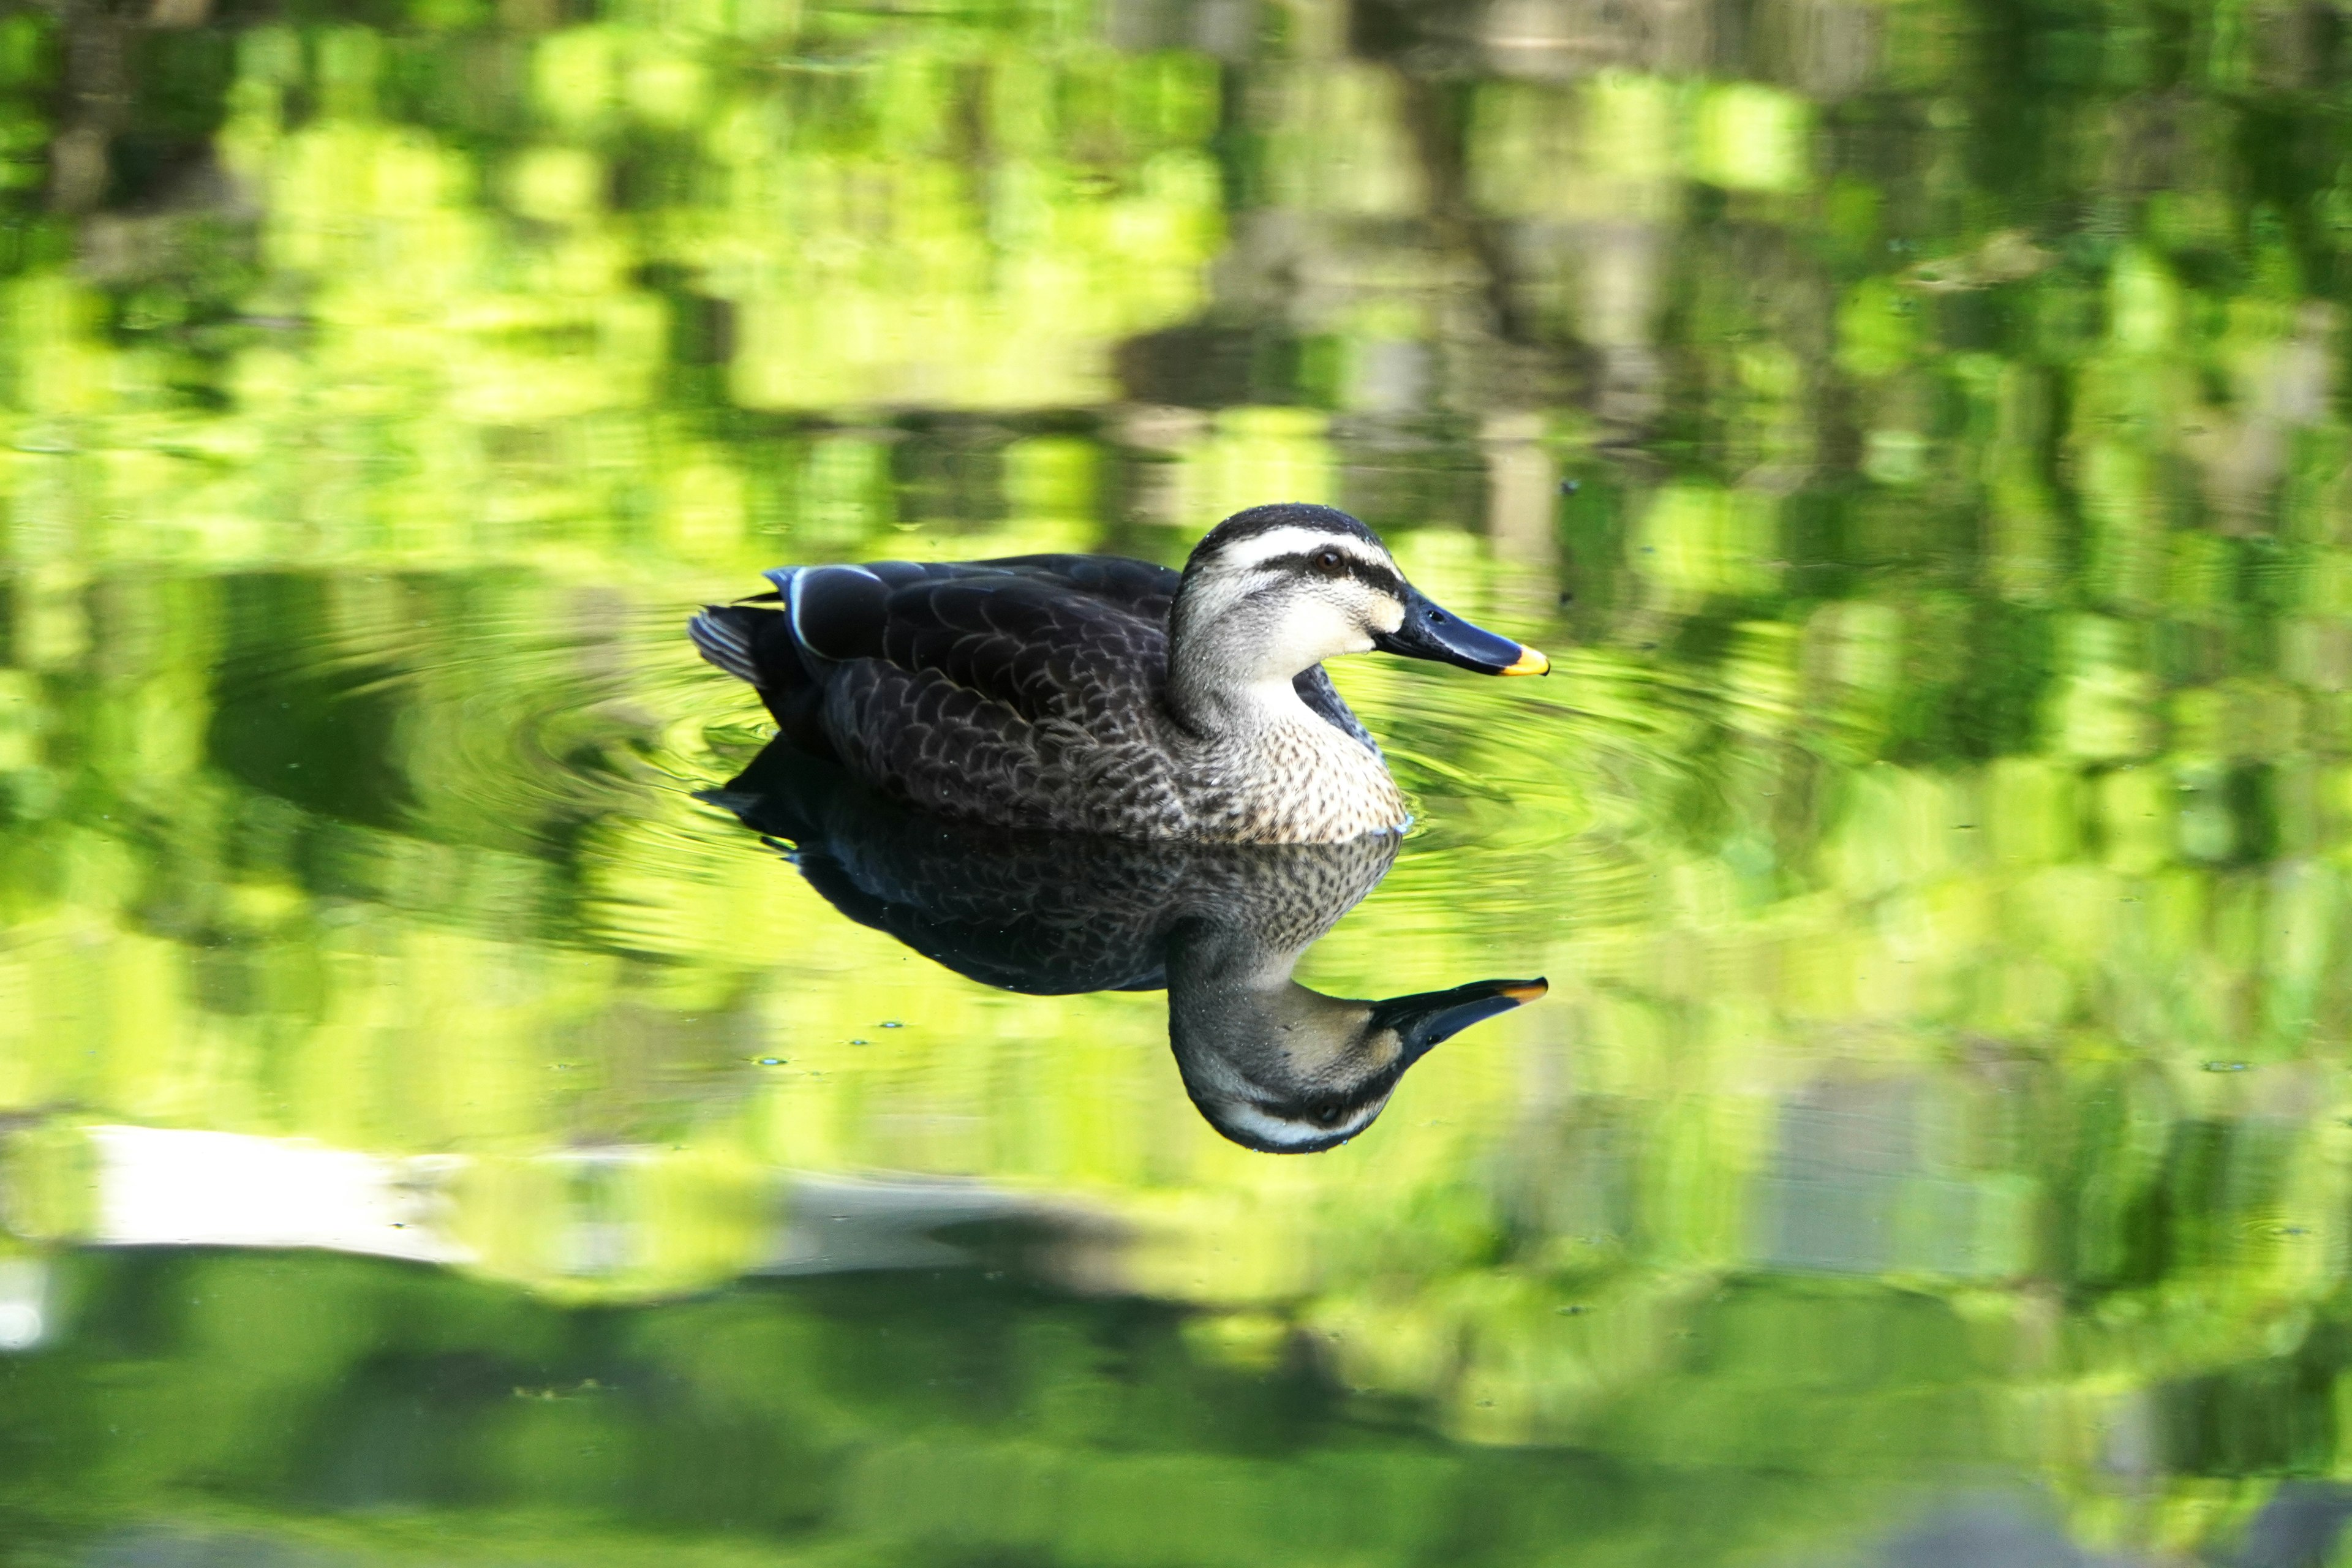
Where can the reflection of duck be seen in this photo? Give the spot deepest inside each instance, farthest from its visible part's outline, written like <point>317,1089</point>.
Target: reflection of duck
<point>1271,1064</point>
<point>1099,695</point>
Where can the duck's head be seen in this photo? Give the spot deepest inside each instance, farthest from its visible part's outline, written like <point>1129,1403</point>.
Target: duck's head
<point>1287,1070</point>
<point>1276,589</point>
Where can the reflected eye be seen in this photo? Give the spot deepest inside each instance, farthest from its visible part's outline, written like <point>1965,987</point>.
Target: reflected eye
<point>1328,562</point>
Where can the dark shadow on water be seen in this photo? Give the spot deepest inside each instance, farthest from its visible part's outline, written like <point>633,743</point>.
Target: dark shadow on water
<point>1271,1065</point>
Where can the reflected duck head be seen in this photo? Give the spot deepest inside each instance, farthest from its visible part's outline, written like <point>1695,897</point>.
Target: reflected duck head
<point>1275,590</point>
<point>1287,1070</point>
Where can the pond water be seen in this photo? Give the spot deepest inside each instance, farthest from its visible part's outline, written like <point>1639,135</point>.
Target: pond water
<point>442,1125</point>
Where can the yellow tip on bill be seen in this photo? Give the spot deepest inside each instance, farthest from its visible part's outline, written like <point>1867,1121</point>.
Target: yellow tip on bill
<point>1530,662</point>
<point>1526,990</point>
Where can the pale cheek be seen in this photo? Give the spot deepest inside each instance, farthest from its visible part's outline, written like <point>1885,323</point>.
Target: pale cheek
<point>1321,629</point>
<point>1350,632</point>
<point>1308,630</point>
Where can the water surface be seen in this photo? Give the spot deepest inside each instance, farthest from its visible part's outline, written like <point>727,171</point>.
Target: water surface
<point>438,1131</point>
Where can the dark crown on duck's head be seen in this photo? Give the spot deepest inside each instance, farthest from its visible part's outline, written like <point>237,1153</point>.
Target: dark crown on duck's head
<point>1257,520</point>
<point>1296,540</point>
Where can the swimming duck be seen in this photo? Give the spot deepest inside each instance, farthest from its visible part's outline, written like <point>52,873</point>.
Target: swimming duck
<point>1097,694</point>
<point>1270,1064</point>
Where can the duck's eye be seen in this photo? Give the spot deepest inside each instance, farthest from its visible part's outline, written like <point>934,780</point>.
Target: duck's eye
<point>1328,562</point>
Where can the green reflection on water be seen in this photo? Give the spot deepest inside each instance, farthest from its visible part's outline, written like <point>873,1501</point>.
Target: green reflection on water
<point>1936,834</point>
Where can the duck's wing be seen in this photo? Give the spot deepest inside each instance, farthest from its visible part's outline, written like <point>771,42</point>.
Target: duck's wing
<point>1040,642</point>
<point>1015,691</point>
<point>1005,628</point>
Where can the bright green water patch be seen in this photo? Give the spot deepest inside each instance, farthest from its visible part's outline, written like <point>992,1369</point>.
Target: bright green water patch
<point>436,1133</point>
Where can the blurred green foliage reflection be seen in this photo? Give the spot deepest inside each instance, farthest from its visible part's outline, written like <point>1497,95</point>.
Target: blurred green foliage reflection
<point>1917,426</point>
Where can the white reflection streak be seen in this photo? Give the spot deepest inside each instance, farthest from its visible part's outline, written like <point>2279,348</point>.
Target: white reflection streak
<point>166,1186</point>
<point>24,1304</point>
<point>158,1186</point>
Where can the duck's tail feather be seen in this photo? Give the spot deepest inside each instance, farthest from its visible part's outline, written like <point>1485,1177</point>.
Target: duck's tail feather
<point>753,641</point>
<point>723,633</point>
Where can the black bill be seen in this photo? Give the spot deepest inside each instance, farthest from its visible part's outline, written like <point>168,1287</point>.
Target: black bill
<point>1426,1017</point>
<point>1428,631</point>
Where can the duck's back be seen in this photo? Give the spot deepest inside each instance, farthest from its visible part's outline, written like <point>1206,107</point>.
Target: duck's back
<point>1025,692</point>
<point>1021,692</point>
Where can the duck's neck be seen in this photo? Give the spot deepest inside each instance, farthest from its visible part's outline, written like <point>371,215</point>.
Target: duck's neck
<point>1265,767</point>
<point>1219,708</point>
<point>1223,959</point>
<point>1228,679</point>
<point>1231,994</point>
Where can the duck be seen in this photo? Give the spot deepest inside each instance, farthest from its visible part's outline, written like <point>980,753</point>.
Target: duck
<point>1270,1064</point>
<point>1102,695</point>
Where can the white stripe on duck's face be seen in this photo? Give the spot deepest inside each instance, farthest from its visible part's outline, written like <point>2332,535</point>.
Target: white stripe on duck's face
<point>1250,552</point>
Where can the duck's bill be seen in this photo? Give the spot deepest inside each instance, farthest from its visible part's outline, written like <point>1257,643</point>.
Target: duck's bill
<point>1429,632</point>
<point>1427,1017</point>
